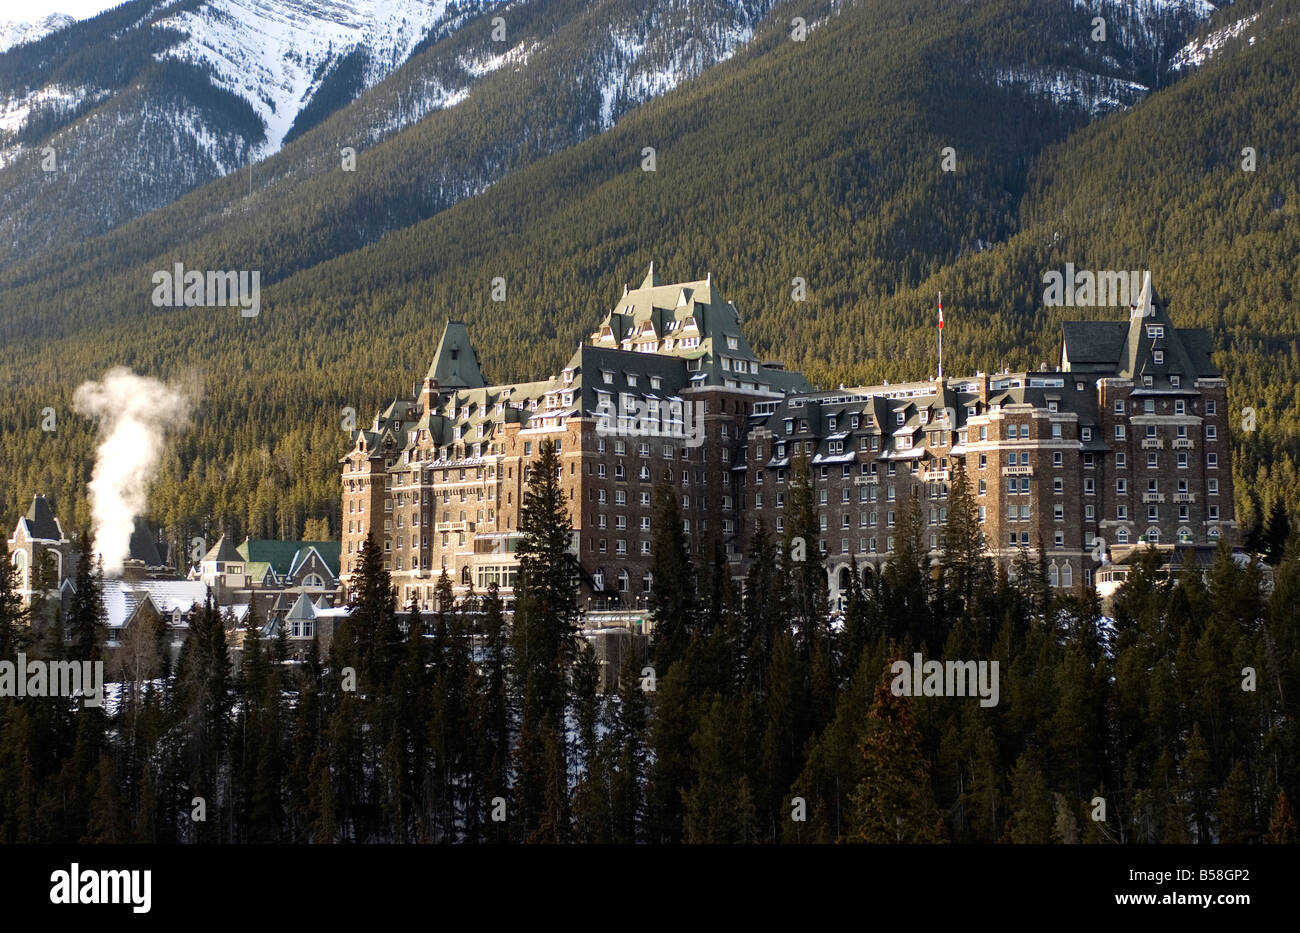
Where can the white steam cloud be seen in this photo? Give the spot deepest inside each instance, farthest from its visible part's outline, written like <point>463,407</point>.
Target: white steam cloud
<point>134,415</point>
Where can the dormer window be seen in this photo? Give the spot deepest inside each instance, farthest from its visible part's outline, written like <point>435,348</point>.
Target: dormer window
<point>733,343</point>
<point>656,382</point>
<point>1155,331</point>
<point>631,379</point>
<point>1146,381</point>
<point>899,418</point>
<point>1157,356</point>
<point>607,376</point>
<point>1175,381</point>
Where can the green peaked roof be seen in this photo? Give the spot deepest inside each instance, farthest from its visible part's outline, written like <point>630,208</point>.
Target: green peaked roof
<point>302,610</point>
<point>455,364</point>
<point>284,557</point>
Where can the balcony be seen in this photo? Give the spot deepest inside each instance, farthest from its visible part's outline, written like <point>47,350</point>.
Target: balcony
<point>1017,471</point>
<point>1153,497</point>
<point>1182,443</point>
<point>1152,443</point>
<point>866,481</point>
<point>454,526</point>
<point>1184,497</point>
<point>934,476</point>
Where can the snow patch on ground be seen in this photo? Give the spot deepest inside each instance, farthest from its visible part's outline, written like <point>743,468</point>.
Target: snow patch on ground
<point>14,111</point>
<point>414,103</point>
<point>1197,52</point>
<point>635,74</point>
<point>516,56</point>
<point>1148,10</point>
<point>1096,94</point>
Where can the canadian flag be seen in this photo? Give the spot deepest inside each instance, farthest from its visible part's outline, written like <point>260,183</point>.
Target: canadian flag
<point>941,311</point>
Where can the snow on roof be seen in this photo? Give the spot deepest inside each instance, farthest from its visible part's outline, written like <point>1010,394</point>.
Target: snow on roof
<point>122,598</point>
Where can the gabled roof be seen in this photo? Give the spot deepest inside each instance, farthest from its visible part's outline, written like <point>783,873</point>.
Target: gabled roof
<point>40,522</point>
<point>1126,348</point>
<point>302,610</point>
<point>122,598</point>
<point>455,364</point>
<point>144,546</point>
<point>284,557</point>
<point>1093,343</point>
<point>224,552</point>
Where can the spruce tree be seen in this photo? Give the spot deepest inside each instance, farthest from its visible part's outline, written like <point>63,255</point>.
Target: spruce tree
<point>966,567</point>
<point>546,613</point>
<point>894,802</point>
<point>673,603</point>
<point>86,612</point>
<point>13,615</point>
<point>626,781</point>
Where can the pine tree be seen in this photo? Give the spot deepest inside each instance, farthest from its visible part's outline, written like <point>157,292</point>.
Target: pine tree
<point>1031,820</point>
<point>673,603</point>
<point>1282,824</point>
<point>591,795</point>
<point>13,615</point>
<point>1235,809</point>
<point>1277,532</point>
<point>628,777</point>
<point>803,553</point>
<point>894,802</point>
<point>546,607</point>
<point>907,584</point>
<point>494,726</point>
<point>369,638</point>
<point>966,567</point>
<point>86,613</point>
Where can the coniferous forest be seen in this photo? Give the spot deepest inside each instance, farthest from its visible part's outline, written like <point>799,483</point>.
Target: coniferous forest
<point>754,719</point>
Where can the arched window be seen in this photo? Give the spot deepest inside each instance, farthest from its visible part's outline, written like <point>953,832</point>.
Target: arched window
<point>599,579</point>
<point>647,582</point>
<point>20,562</point>
<point>313,579</point>
<point>1153,535</point>
<point>1214,534</point>
<point>465,575</point>
<point>623,581</point>
<point>845,579</point>
<point>1053,575</point>
<point>1121,536</point>
<point>1184,536</point>
<point>1067,575</point>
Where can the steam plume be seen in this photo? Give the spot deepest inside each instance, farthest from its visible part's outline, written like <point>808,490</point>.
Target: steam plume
<point>134,415</point>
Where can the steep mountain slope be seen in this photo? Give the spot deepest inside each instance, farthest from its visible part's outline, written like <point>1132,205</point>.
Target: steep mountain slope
<point>819,159</point>
<point>556,73</point>
<point>226,82</point>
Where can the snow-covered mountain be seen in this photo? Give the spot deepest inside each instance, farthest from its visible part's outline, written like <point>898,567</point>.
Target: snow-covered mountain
<point>111,118</point>
<point>276,54</point>
<point>183,92</point>
<point>13,33</point>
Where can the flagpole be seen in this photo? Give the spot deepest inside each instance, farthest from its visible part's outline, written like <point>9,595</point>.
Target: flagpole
<point>941,336</point>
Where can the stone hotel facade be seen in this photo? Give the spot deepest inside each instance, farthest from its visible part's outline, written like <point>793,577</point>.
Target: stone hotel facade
<point>1125,443</point>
